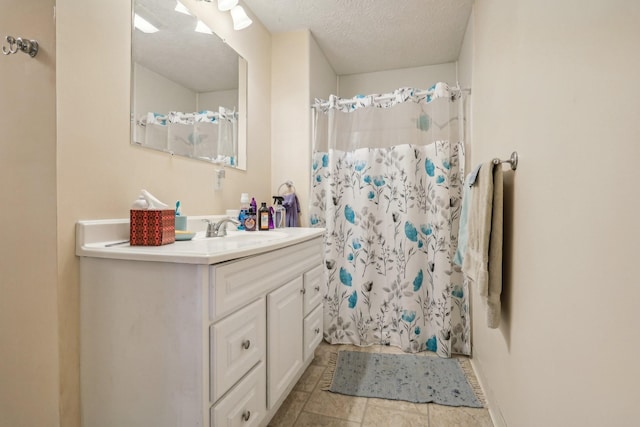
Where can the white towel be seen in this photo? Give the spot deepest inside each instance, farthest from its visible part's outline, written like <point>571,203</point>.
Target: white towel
<point>482,262</point>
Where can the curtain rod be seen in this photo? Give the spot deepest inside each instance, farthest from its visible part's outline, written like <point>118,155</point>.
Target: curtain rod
<point>385,97</point>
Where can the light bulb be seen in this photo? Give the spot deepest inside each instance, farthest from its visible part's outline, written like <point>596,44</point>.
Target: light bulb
<point>240,18</point>
<point>226,4</point>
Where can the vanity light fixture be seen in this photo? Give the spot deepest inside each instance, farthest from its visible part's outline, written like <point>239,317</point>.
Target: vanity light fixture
<point>143,25</point>
<point>201,27</point>
<point>181,8</point>
<point>224,5</point>
<point>240,18</point>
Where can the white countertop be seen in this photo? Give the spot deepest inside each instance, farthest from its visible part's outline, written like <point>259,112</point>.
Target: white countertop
<point>93,236</point>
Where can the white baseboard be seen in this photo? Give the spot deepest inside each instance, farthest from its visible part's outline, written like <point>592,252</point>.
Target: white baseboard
<point>494,408</point>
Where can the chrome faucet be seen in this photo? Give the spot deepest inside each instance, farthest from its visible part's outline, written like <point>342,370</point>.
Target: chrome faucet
<point>217,229</point>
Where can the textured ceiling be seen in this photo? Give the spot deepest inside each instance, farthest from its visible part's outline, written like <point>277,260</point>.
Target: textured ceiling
<point>201,62</point>
<point>359,36</point>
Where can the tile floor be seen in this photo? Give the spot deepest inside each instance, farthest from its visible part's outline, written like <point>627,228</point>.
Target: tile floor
<point>308,405</point>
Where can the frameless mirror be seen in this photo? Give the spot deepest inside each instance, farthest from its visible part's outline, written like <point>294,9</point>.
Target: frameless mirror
<point>188,92</point>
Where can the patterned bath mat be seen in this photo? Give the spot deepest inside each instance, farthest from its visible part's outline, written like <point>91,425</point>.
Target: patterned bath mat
<point>414,378</point>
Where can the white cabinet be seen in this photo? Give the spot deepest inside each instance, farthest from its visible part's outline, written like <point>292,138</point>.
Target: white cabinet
<point>312,325</point>
<point>187,344</point>
<point>312,331</point>
<point>284,317</point>
<point>312,289</point>
<point>245,404</point>
<point>238,343</point>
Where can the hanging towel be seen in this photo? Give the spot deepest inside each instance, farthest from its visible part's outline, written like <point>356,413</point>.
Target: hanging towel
<point>292,208</point>
<point>474,175</point>
<point>482,262</point>
<point>463,229</point>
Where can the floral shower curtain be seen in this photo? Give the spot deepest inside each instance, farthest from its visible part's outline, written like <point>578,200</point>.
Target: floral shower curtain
<point>386,184</point>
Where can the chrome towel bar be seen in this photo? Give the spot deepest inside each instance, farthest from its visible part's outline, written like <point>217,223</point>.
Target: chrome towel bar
<point>513,160</point>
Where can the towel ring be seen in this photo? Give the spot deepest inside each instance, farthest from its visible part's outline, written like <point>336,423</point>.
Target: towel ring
<point>290,188</point>
<point>513,160</point>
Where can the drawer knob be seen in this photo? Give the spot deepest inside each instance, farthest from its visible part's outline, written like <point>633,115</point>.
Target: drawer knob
<point>317,330</point>
<point>246,415</point>
<point>317,288</point>
<point>303,291</point>
<point>246,344</point>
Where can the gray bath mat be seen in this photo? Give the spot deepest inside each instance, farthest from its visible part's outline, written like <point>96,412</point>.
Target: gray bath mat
<point>414,378</point>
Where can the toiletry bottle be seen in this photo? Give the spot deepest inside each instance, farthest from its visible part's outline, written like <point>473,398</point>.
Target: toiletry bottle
<point>244,209</point>
<point>250,220</point>
<point>263,217</point>
<point>241,217</point>
<point>271,227</point>
<point>279,212</point>
<point>254,205</point>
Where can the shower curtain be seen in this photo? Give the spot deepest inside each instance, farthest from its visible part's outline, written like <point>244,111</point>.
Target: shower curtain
<point>386,184</point>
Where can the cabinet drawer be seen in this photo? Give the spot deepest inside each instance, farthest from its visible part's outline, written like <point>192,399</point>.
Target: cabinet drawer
<point>312,331</point>
<point>312,289</point>
<point>246,404</point>
<point>235,283</point>
<point>238,342</point>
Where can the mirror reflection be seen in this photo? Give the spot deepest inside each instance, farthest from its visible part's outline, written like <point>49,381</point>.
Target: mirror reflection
<point>188,86</point>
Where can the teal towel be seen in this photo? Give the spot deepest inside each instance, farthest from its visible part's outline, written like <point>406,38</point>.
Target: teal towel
<point>463,231</point>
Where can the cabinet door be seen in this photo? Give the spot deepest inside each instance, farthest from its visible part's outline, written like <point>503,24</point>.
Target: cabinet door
<point>284,337</point>
<point>312,289</point>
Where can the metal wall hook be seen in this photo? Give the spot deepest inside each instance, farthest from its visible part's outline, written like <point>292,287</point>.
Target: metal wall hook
<point>13,47</point>
<point>30,47</point>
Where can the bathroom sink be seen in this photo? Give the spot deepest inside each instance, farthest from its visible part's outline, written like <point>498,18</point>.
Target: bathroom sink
<point>254,236</point>
<point>109,239</point>
<point>245,236</point>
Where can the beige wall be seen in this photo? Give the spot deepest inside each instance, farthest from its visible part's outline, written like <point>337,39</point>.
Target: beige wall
<point>300,73</point>
<point>322,78</point>
<point>157,94</point>
<point>221,98</point>
<point>290,114</point>
<point>464,78</point>
<point>100,174</point>
<point>29,379</point>
<point>388,81</point>
<point>558,82</point>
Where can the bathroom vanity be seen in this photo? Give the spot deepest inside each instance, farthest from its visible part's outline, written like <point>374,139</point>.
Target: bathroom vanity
<point>208,332</point>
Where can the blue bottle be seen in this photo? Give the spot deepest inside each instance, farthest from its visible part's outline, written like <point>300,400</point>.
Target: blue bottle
<point>241,217</point>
